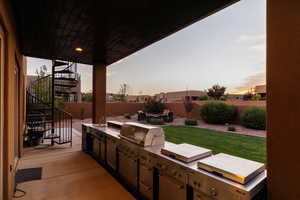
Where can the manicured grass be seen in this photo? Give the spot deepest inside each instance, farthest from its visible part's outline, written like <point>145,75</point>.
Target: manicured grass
<point>249,147</point>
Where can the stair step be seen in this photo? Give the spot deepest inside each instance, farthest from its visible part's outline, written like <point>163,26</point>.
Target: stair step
<point>59,63</point>
<point>65,71</point>
<point>48,135</point>
<point>65,79</point>
<point>65,85</point>
<point>65,92</point>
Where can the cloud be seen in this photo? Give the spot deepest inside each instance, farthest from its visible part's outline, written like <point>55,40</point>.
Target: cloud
<point>258,47</point>
<point>254,42</point>
<point>108,74</point>
<point>252,38</point>
<point>252,81</point>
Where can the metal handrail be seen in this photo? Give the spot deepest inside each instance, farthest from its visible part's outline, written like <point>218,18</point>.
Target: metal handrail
<point>41,92</point>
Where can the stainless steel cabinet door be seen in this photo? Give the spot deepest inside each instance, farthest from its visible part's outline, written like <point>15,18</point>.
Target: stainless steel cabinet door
<point>111,150</point>
<point>128,170</point>
<point>96,148</point>
<point>102,150</point>
<point>171,189</point>
<point>200,196</point>
<point>146,181</point>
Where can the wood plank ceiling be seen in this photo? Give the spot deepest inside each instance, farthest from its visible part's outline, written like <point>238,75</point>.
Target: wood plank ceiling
<point>107,31</point>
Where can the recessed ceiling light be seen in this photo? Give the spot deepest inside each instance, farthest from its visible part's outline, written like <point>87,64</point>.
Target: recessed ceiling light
<point>78,49</point>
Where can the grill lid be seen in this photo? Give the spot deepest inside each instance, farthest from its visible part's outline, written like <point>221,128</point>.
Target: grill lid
<point>234,168</point>
<point>186,152</point>
<point>141,134</point>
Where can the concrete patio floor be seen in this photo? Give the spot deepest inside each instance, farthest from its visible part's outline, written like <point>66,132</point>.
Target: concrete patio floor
<point>68,174</point>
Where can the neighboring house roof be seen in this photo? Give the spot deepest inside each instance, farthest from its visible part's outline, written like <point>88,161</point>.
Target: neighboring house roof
<point>135,97</point>
<point>177,94</point>
<point>233,96</point>
<point>260,89</point>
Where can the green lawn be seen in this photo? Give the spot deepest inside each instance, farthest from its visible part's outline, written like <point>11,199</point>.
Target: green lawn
<point>249,147</point>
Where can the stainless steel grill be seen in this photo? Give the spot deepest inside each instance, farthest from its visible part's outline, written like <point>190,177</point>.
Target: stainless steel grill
<point>143,135</point>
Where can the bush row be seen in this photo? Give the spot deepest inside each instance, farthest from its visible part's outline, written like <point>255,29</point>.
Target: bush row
<point>217,112</point>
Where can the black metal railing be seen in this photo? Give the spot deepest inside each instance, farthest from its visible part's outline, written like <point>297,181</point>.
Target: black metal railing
<point>41,89</point>
<point>42,113</point>
<point>62,127</point>
<point>38,115</point>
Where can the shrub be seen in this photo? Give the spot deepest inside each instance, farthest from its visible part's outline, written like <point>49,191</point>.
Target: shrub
<point>82,111</point>
<point>231,128</point>
<point>223,98</point>
<point>127,115</point>
<point>154,107</point>
<point>203,98</point>
<point>188,106</point>
<point>256,97</point>
<point>59,103</point>
<point>254,117</point>
<point>217,112</point>
<point>156,121</point>
<point>191,122</point>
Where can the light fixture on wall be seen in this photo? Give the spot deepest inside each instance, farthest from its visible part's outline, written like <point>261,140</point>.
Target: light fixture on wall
<point>78,49</point>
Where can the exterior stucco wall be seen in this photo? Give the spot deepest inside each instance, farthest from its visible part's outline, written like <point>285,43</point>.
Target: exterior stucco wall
<point>112,109</point>
<point>117,109</point>
<point>12,58</point>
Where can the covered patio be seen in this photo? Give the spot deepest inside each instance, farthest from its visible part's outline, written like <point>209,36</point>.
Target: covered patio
<point>68,173</point>
<point>107,32</point>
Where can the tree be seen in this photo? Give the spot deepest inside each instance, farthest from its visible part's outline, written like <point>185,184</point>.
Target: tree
<point>87,97</point>
<point>42,71</point>
<point>188,106</point>
<point>123,91</point>
<point>154,107</point>
<point>41,86</point>
<point>216,91</point>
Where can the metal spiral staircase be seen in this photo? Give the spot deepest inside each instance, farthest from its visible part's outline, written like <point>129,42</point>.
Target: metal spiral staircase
<point>44,119</point>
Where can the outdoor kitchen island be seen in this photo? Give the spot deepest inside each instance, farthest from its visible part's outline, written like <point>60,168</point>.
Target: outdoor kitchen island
<point>132,152</point>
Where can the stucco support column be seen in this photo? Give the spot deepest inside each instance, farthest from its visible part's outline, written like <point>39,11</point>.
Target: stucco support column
<point>283,100</point>
<point>99,93</point>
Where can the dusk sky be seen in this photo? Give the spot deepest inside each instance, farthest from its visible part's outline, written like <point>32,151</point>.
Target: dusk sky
<point>226,48</point>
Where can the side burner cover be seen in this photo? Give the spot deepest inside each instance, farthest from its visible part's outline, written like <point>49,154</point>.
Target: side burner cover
<point>234,168</point>
<point>186,152</point>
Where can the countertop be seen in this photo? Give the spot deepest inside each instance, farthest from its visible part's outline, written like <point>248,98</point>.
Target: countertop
<point>191,168</point>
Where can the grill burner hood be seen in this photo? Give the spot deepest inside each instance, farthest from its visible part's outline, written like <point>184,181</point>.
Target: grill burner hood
<point>143,135</point>
<point>186,152</point>
<point>234,168</point>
